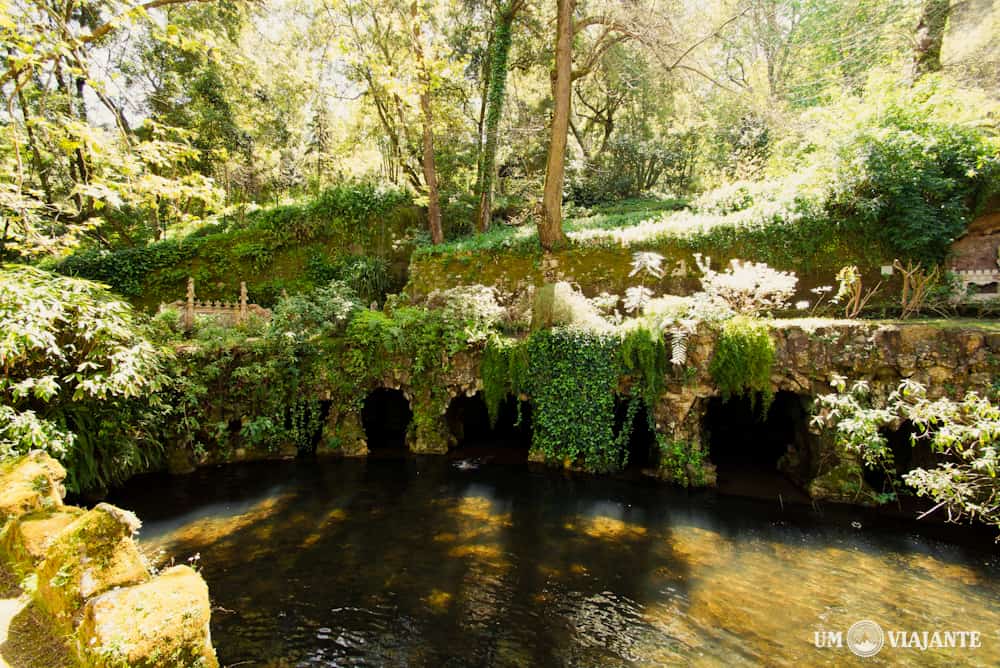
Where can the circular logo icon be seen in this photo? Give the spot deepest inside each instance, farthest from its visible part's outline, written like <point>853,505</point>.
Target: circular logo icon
<point>865,638</point>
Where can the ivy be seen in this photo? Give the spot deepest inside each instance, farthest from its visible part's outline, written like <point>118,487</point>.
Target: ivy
<point>572,380</point>
<point>743,359</point>
<point>645,358</point>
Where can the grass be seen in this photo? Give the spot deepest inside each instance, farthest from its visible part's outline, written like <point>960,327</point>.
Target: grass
<point>639,223</point>
<point>601,221</point>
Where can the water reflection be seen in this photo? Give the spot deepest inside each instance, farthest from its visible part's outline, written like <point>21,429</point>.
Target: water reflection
<point>410,562</point>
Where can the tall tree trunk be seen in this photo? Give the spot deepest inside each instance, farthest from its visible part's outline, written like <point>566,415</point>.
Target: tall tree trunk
<point>430,169</point>
<point>930,35</point>
<point>495,98</point>
<point>550,233</point>
<point>36,156</point>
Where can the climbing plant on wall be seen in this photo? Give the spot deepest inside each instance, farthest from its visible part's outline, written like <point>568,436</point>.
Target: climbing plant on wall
<point>572,379</point>
<point>744,356</point>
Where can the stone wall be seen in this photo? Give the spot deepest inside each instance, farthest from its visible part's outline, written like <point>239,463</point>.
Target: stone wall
<point>949,358</point>
<point>91,584</point>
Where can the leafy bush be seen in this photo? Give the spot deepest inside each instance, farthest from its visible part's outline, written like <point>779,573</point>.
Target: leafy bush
<point>320,312</point>
<point>743,359</point>
<point>80,377</point>
<point>473,307</point>
<point>908,164</point>
<point>965,434</point>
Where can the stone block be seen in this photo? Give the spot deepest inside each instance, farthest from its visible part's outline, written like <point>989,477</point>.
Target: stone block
<point>26,539</point>
<point>29,483</point>
<point>163,622</point>
<point>91,555</point>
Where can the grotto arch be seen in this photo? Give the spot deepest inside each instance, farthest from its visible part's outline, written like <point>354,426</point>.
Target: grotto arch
<point>743,440</point>
<point>907,454</point>
<point>469,423</point>
<point>385,417</point>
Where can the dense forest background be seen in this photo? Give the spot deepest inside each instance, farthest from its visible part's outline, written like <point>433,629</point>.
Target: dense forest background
<point>125,124</point>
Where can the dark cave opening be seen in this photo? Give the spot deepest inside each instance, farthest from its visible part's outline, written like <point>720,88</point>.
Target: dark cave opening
<point>907,454</point>
<point>385,417</point>
<point>742,439</point>
<point>469,422</point>
<point>641,446</point>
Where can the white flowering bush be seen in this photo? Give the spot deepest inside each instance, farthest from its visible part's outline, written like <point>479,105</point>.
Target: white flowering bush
<point>323,311</point>
<point>965,434</point>
<point>750,288</point>
<point>476,307</point>
<point>562,304</point>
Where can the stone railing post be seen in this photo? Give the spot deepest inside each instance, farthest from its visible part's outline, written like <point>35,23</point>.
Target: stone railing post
<point>189,307</point>
<point>243,302</point>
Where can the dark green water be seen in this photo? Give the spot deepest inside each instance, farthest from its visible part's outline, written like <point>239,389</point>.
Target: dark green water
<point>413,562</point>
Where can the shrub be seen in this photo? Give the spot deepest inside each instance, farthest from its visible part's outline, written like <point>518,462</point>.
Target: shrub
<point>965,434</point>
<point>473,308</point>
<point>743,359</point>
<point>749,288</point>
<point>320,312</point>
<point>80,377</point>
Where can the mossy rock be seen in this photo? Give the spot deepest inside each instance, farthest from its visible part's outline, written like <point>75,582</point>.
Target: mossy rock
<point>26,539</point>
<point>842,484</point>
<point>163,622</point>
<point>91,555</point>
<point>29,483</point>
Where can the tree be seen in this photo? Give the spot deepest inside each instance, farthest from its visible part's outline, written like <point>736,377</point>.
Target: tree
<point>496,91</point>
<point>320,141</point>
<point>430,168</point>
<point>550,233</point>
<point>116,185</point>
<point>929,36</point>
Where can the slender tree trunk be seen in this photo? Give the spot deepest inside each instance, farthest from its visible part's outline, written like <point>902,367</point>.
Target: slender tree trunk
<point>495,98</point>
<point>550,233</point>
<point>430,169</point>
<point>36,156</point>
<point>930,35</point>
<point>481,125</point>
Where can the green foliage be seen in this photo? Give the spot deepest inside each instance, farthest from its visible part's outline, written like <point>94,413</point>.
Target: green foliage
<point>503,370</point>
<point>919,184</point>
<point>645,358</point>
<point>743,359</point>
<point>320,312</point>
<point>79,377</point>
<point>964,435</point>
<point>633,166</point>
<point>572,377</point>
<point>289,243</point>
<point>681,462</point>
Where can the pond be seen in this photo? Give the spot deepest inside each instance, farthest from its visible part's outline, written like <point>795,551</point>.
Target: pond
<point>418,562</point>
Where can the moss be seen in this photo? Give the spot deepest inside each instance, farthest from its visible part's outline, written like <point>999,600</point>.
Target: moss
<point>269,250</point>
<point>606,267</point>
<point>25,540</point>
<point>91,555</point>
<point>163,622</point>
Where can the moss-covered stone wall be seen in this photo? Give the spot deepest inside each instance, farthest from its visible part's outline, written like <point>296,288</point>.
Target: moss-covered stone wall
<point>815,255</point>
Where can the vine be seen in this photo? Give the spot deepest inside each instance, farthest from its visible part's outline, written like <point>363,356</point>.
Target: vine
<point>743,359</point>
<point>572,380</point>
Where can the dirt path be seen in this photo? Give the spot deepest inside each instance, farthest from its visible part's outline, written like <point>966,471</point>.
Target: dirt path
<point>26,641</point>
